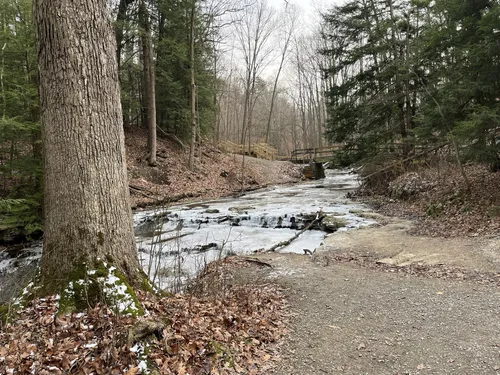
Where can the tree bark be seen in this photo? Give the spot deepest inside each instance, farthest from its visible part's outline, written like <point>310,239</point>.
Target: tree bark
<point>149,80</point>
<point>86,197</point>
<point>193,87</point>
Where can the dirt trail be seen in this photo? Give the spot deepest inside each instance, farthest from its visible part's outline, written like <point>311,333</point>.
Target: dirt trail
<point>367,318</point>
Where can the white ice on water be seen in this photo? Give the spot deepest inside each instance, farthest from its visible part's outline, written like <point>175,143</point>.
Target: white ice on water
<point>180,257</point>
<point>171,262</point>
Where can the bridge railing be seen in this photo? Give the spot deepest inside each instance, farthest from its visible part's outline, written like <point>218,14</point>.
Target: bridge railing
<point>316,152</point>
<point>306,154</point>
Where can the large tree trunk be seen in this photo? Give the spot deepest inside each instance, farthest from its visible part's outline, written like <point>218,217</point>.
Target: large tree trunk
<point>87,209</point>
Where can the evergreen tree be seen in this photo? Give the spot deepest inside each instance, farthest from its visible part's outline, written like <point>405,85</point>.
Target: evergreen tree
<point>20,144</point>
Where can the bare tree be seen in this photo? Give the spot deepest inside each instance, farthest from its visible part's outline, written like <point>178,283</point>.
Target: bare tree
<point>287,27</point>
<point>308,93</point>
<point>87,209</point>
<point>119,25</point>
<point>253,33</point>
<point>193,84</point>
<point>149,79</point>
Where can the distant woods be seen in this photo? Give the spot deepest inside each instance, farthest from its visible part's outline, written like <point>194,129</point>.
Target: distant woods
<point>414,73</point>
<point>213,70</point>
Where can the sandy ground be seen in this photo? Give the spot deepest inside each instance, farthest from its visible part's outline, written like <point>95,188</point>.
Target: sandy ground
<point>371,302</point>
<point>390,243</point>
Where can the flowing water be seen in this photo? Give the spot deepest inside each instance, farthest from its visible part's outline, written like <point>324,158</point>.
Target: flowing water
<point>174,243</point>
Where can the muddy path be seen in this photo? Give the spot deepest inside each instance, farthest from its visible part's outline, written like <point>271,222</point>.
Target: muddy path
<point>359,308</point>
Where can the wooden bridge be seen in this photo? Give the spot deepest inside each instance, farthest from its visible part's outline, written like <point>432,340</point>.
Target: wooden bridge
<point>301,155</point>
<point>265,151</point>
<point>329,153</point>
<point>317,154</point>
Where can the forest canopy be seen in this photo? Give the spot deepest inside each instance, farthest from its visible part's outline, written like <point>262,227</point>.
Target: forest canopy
<point>414,73</point>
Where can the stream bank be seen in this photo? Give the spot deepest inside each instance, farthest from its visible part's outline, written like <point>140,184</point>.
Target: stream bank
<point>177,241</point>
<point>382,301</point>
<point>215,174</point>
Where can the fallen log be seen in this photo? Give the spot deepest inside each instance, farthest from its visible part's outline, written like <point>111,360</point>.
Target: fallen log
<point>320,215</point>
<point>141,191</point>
<point>256,261</point>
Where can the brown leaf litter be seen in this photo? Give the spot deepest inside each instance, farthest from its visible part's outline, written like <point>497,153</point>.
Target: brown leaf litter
<point>215,174</point>
<point>441,204</point>
<point>192,333</point>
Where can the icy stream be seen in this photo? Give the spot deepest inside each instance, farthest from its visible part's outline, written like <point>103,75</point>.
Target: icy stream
<point>175,242</point>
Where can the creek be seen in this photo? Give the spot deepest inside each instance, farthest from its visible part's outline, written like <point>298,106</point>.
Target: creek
<point>176,242</point>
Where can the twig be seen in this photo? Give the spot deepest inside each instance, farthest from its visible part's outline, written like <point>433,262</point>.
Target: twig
<point>172,238</point>
<point>172,137</point>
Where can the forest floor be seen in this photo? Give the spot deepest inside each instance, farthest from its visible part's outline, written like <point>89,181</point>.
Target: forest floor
<point>215,174</point>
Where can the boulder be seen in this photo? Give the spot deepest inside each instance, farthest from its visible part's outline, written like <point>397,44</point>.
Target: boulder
<point>331,223</point>
<point>408,185</point>
<point>12,235</point>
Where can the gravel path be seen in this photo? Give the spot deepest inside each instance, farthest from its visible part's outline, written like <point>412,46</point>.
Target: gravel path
<point>351,319</point>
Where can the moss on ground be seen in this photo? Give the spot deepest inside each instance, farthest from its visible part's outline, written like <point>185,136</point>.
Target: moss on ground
<point>222,353</point>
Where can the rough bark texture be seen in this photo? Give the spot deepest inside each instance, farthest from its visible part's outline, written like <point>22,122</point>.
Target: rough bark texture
<point>87,212</point>
<point>149,80</point>
<point>193,88</point>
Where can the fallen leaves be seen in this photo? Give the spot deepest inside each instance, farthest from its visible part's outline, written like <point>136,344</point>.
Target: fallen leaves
<point>235,333</point>
<point>172,180</point>
<point>444,209</point>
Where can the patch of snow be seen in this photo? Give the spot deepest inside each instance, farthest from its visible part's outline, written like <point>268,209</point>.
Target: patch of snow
<point>116,290</point>
<point>140,352</point>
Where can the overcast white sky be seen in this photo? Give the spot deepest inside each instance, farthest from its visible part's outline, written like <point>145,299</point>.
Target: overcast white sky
<point>309,22</point>
<point>310,19</point>
<point>309,6</point>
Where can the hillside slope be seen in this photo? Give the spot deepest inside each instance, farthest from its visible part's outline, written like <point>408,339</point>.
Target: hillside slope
<point>216,174</point>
